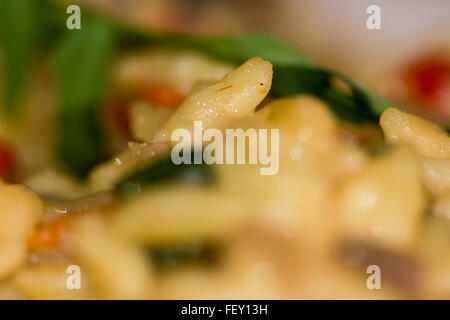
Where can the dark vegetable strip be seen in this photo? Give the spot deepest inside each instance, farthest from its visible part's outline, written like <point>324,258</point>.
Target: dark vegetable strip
<point>81,63</point>
<point>17,32</point>
<point>183,252</point>
<point>164,171</point>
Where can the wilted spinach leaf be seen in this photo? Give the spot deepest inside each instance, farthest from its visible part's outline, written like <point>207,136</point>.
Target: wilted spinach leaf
<point>81,65</point>
<point>163,171</point>
<point>17,33</point>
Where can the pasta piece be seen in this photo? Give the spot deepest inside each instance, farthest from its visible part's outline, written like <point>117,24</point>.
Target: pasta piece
<point>306,124</point>
<point>13,254</point>
<point>155,216</point>
<point>309,137</point>
<point>230,99</point>
<point>233,97</point>
<point>296,112</point>
<point>20,211</point>
<point>438,283</point>
<point>384,203</point>
<point>116,268</point>
<point>436,175</point>
<point>49,281</point>
<point>441,207</point>
<point>427,138</point>
<point>181,70</point>
<point>145,120</point>
<point>105,176</point>
<point>53,184</point>
<point>9,292</point>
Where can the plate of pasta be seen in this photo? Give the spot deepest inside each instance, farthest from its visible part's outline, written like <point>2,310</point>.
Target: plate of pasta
<point>93,205</point>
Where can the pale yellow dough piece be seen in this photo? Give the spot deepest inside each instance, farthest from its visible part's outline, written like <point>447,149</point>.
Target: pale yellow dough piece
<point>20,211</point>
<point>220,105</point>
<point>385,202</point>
<point>427,138</point>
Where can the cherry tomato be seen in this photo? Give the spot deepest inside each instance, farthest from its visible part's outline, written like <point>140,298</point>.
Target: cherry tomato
<point>159,94</point>
<point>49,236</point>
<point>428,83</point>
<point>6,160</point>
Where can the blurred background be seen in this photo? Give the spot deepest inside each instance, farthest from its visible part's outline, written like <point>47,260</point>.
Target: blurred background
<point>407,60</point>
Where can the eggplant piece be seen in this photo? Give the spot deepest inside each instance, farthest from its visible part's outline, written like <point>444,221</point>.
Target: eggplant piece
<point>399,269</point>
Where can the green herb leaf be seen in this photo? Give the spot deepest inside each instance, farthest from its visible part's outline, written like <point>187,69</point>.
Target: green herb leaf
<point>17,32</point>
<point>81,64</point>
<point>241,47</point>
<point>164,171</point>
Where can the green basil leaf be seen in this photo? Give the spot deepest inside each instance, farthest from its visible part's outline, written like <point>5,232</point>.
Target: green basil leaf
<point>81,63</point>
<point>18,27</point>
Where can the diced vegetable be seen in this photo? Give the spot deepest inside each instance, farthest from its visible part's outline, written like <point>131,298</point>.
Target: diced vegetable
<point>49,236</point>
<point>117,115</point>
<point>158,94</point>
<point>428,82</point>
<point>7,164</point>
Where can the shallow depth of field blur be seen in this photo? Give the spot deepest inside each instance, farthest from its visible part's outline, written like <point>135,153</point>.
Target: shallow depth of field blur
<point>86,181</point>
<point>406,60</point>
